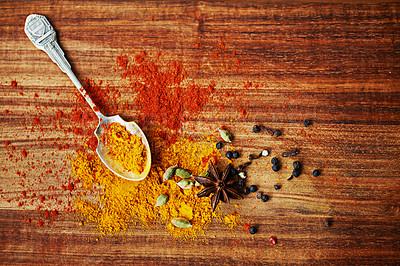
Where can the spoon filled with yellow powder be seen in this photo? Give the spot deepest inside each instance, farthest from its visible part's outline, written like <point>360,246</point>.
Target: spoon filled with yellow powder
<point>122,146</point>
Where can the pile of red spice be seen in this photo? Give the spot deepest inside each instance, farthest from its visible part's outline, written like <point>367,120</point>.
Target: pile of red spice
<point>162,92</point>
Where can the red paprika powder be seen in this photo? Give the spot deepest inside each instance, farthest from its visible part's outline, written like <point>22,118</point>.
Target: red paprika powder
<point>162,93</point>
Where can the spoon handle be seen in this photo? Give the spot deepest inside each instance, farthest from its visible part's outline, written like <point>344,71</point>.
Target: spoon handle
<point>43,36</point>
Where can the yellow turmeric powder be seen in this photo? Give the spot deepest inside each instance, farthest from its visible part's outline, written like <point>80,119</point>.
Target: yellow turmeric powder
<point>122,202</point>
<point>232,220</point>
<point>126,148</point>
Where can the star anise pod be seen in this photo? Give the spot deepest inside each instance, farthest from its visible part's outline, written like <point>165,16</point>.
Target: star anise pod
<point>220,185</point>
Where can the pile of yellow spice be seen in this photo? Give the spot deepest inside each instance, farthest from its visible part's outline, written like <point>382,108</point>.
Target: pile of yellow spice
<point>122,203</point>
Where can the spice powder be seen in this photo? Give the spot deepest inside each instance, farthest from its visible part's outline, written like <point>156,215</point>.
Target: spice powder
<point>125,148</point>
<point>122,203</point>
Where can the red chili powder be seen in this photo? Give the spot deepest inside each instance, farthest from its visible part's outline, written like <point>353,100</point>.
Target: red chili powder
<point>106,98</point>
<point>36,121</point>
<point>24,153</point>
<point>161,92</point>
<point>92,143</point>
<point>70,186</point>
<point>42,199</point>
<point>14,84</point>
<point>246,227</point>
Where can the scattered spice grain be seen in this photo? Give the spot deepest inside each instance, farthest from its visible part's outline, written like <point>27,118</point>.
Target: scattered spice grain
<point>253,188</point>
<point>291,153</point>
<point>264,197</point>
<point>229,154</point>
<point>219,145</point>
<point>296,165</point>
<point>316,173</point>
<point>277,187</point>
<point>307,122</point>
<point>256,129</point>
<point>296,173</point>
<point>277,133</point>
<point>274,161</point>
<point>253,230</point>
<point>272,240</point>
<point>235,154</point>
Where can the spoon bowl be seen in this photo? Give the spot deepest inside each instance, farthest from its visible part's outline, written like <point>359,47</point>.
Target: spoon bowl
<point>108,160</point>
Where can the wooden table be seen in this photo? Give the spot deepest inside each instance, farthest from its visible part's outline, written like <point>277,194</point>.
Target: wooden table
<point>336,64</point>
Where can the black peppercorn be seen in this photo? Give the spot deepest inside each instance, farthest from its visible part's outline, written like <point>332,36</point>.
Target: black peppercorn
<point>229,154</point>
<point>232,171</point>
<point>274,161</point>
<point>326,223</point>
<point>290,177</point>
<point>256,129</point>
<point>246,191</point>
<point>277,187</point>
<point>296,165</point>
<point>243,166</point>
<point>290,153</point>
<point>264,197</point>
<point>277,133</point>
<point>296,173</point>
<point>241,183</point>
<point>253,157</point>
<point>315,173</point>
<point>235,154</point>
<point>253,230</point>
<point>219,145</point>
<point>275,168</point>
<point>253,188</point>
<point>306,123</point>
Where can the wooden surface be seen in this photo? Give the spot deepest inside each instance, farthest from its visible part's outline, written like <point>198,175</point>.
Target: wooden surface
<point>336,64</point>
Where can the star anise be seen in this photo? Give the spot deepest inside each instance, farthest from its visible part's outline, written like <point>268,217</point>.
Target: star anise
<point>220,185</point>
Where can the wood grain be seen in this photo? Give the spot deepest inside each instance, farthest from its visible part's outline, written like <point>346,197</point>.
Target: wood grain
<point>334,63</point>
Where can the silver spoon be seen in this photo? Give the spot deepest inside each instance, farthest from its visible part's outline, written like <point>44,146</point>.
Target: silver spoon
<point>41,33</point>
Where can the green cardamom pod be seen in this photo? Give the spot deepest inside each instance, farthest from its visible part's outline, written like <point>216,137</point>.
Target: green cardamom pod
<point>182,173</point>
<point>205,173</point>
<point>225,135</point>
<point>161,200</point>
<point>186,183</point>
<point>181,222</point>
<point>169,173</point>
